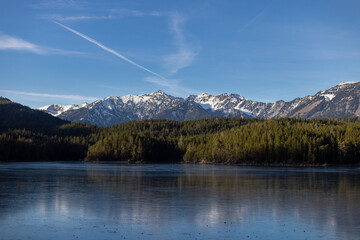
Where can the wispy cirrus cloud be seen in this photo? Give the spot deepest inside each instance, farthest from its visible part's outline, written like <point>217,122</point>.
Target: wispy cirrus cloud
<point>12,43</point>
<point>59,4</point>
<point>109,50</point>
<point>253,20</point>
<point>185,54</point>
<point>111,14</point>
<point>183,57</point>
<point>171,86</point>
<point>41,96</point>
<point>123,12</point>
<point>60,18</point>
<point>16,44</point>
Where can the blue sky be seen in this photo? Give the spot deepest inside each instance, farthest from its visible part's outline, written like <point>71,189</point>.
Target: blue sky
<point>68,51</point>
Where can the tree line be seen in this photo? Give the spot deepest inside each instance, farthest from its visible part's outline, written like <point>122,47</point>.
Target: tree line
<point>284,141</point>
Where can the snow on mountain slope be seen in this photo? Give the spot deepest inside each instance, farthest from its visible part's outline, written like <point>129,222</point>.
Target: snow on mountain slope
<point>339,101</point>
<point>228,104</point>
<point>56,110</point>
<point>115,110</point>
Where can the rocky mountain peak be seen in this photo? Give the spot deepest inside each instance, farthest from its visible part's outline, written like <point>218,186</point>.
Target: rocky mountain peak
<point>341,100</point>
<point>348,84</point>
<point>160,93</point>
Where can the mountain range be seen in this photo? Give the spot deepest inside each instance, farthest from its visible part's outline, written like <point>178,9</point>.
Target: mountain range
<point>342,100</point>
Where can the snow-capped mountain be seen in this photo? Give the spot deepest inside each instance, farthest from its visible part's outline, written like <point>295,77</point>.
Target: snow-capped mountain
<point>342,100</point>
<point>56,110</point>
<point>232,105</point>
<point>339,101</point>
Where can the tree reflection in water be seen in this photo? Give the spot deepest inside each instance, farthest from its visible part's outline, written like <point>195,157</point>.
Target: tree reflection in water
<point>174,200</point>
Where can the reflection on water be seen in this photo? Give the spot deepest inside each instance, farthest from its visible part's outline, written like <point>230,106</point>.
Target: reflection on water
<point>177,201</point>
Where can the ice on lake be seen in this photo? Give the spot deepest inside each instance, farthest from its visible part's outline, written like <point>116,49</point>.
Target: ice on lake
<point>177,201</point>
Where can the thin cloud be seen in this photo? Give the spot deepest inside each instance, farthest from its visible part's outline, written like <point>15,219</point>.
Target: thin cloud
<point>17,44</point>
<point>134,13</point>
<point>16,94</point>
<point>181,59</point>
<point>252,21</point>
<point>171,86</point>
<point>57,17</point>
<point>121,89</point>
<point>185,54</point>
<point>11,43</point>
<point>109,50</point>
<point>115,14</point>
<point>56,51</point>
<point>60,4</point>
<point>174,62</point>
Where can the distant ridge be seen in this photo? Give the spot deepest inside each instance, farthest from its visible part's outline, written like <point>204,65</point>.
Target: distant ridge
<point>14,115</point>
<point>339,101</point>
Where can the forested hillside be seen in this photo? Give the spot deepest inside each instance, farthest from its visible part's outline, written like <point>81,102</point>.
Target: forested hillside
<point>232,140</point>
<point>16,116</point>
<point>286,141</point>
<point>32,135</point>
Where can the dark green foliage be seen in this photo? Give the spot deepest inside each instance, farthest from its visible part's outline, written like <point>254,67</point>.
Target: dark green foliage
<point>32,135</point>
<point>153,140</point>
<point>129,146</point>
<point>66,142</point>
<point>280,141</point>
<point>14,115</point>
<point>286,141</point>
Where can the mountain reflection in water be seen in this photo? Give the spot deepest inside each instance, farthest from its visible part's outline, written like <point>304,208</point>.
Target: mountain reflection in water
<point>177,201</point>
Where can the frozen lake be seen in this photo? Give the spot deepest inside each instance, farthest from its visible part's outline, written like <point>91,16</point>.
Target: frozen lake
<point>177,201</point>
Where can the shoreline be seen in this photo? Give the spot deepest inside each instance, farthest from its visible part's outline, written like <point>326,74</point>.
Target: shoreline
<point>285,165</point>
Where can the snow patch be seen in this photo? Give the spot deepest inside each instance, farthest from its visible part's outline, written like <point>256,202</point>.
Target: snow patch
<point>207,101</point>
<point>206,106</point>
<point>135,99</point>
<point>69,107</point>
<point>328,97</point>
<point>224,102</point>
<point>245,110</point>
<point>238,106</point>
<point>56,110</point>
<point>248,112</point>
<point>346,83</point>
<point>45,107</point>
<point>293,106</point>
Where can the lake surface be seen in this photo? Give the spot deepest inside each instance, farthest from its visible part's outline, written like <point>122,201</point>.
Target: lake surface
<point>177,201</point>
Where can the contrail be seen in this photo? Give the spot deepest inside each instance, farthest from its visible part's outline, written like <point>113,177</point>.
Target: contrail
<point>109,50</point>
<point>253,20</point>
